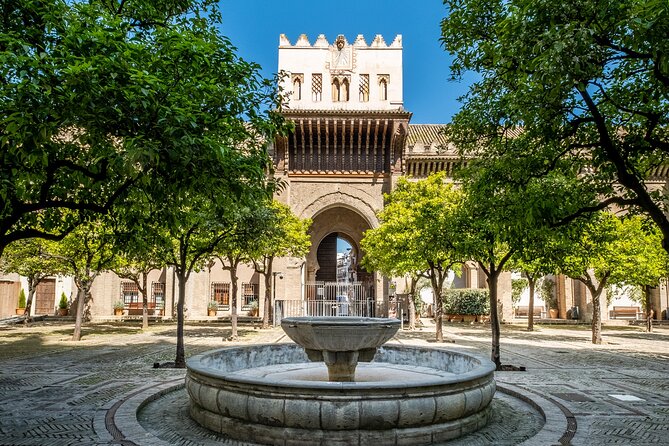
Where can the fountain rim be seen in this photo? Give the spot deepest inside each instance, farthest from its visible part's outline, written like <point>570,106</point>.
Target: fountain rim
<point>340,321</point>
<point>484,368</point>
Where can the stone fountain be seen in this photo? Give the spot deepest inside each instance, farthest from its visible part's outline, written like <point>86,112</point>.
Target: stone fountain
<point>330,340</point>
<point>281,394</point>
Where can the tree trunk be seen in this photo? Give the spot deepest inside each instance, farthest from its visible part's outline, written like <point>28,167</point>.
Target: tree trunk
<point>180,360</point>
<point>596,292</point>
<point>531,282</point>
<point>32,286</point>
<point>648,309</point>
<point>412,305</point>
<point>233,303</point>
<point>494,319</point>
<point>269,288</point>
<point>84,287</point>
<point>145,303</point>
<point>438,307</point>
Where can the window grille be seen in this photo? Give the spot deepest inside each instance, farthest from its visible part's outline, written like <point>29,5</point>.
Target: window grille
<point>220,292</point>
<point>158,294</point>
<point>130,294</point>
<point>316,87</point>
<point>364,88</point>
<point>249,295</point>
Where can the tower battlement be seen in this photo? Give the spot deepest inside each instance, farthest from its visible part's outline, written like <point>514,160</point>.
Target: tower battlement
<point>322,42</point>
<point>340,75</point>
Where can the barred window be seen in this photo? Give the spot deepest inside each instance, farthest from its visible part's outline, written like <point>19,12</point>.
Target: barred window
<point>249,295</point>
<point>316,87</point>
<point>220,292</point>
<point>158,294</point>
<point>364,88</point>
<point>129,294</point>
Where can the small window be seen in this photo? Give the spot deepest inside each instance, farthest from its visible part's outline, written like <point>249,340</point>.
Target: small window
<point>364,88</point>
<point>220,292</point>
<point>316,87</point>
<point>384,80</point>
<point>130,295</point>
<point>340,89</point>
<point>297,87</point>
<point>249,295</point>
<point>158,294</point>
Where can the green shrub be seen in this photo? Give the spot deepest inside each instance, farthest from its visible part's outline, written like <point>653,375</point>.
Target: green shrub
<point>63,301</point>
<point>22,298</point>
<point>466,301</point>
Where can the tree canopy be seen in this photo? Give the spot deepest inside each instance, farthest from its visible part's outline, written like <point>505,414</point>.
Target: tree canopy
<point>413,235</point>
<point>101,96</point>
<point>580,88</point>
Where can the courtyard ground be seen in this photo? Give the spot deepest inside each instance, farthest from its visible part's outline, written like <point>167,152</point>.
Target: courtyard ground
<point>58,392</point>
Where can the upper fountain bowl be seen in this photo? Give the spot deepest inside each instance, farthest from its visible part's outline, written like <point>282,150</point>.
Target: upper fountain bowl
<point>340,334</point>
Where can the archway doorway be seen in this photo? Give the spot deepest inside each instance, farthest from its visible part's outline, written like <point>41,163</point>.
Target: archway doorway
<point>334,275</point>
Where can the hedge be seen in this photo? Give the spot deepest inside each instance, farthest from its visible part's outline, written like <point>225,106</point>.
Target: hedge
<point>466,301</point>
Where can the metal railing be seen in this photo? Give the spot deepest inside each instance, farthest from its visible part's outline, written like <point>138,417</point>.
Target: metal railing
<point>297,308</point>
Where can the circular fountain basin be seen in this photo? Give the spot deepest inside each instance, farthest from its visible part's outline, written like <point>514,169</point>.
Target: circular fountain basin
<point>272,394</point>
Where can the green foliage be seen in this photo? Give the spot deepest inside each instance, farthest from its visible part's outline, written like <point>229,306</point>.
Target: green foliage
<point>100,97</point>
<point>466,301</point>
<point>517,288</point>
<point>119,305</point>
<point>280,234</point>
<point>412,235</point>
<point>212,305</point>
<point>62,304</point>
<point>22,298</point>
<point>573,94</point>
<point>546,291</point>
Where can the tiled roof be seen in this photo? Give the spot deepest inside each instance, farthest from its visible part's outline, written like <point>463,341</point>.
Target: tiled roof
<point>426,134</point>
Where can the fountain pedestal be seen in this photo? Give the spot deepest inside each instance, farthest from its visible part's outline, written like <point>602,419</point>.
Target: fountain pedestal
<point>340,342</point>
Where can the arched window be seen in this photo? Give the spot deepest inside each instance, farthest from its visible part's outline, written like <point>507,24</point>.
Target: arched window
<point>384,90</point>
<point>340,89</point>
<point>335,90</point>
<point>384,79</point>
<point>343,96</point>
<point>297,87</point>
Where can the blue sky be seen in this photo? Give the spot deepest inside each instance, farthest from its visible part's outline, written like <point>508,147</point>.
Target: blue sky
<point>254,26</point>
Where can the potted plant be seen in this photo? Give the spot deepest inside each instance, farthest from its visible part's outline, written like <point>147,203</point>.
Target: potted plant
<point>119,306</point>
<point>254,309</point>
<point>212,307</point>
<point>62,305</point>
<point>549,298</point>
<point>22,302</point>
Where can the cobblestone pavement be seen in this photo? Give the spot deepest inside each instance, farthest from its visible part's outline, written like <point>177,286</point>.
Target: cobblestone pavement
<point>58,392</point>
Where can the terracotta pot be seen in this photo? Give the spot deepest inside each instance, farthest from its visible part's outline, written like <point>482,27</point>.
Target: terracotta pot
<point>20,311</point>
<point>553,313</point>
<point>211,312</point>
<point>118,311</point>
<point>62,312</point>
<point>469,318</point>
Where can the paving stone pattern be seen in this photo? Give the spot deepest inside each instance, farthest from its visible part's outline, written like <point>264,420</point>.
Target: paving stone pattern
<point>58,392</point>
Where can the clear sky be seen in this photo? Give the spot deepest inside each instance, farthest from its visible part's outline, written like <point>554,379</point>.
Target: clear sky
<point>254,27</point>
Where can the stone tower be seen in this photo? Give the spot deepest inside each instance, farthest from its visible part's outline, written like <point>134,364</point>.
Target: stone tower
<point>345,100</point>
